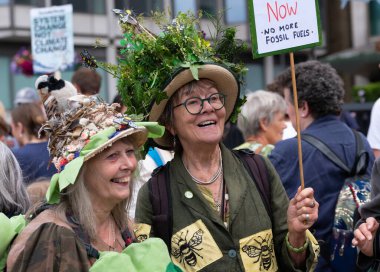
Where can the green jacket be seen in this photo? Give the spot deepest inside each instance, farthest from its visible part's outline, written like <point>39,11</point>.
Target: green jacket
<point>201,242</point>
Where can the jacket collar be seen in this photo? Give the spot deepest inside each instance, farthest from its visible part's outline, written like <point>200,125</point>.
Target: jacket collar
<point>236,187</point>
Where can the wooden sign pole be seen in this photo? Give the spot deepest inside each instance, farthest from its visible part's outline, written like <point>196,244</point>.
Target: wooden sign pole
<point>298,128</point>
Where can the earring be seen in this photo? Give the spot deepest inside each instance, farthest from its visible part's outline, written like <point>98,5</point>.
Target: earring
<point>174,141</point>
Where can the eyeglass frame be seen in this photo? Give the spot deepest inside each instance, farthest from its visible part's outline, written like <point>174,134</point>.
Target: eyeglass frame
<point>202,102</point>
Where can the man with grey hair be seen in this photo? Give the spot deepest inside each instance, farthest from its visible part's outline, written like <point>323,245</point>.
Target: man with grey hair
<point>320,99</point>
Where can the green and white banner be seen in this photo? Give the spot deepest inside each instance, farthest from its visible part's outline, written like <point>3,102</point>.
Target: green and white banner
<point>279,26</point>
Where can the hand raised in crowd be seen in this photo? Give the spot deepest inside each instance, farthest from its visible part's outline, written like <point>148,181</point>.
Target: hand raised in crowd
<point>364,235</point>
<point>302,211</point>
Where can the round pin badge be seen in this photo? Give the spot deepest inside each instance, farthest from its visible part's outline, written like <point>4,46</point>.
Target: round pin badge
<point>188,194</point>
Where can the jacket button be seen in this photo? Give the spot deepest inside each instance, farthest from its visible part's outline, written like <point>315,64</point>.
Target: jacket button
<point>232,253</point>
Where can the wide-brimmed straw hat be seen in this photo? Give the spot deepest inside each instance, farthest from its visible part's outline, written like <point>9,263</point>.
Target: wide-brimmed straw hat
<point>153,67</point>
<point>225,81</point>
<point>79,128</point>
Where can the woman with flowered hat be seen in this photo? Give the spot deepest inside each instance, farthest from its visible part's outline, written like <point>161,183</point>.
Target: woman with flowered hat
<point>217,219</point>
<point>84,224</point>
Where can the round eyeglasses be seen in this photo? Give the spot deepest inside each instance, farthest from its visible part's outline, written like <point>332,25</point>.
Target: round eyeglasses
<point>194,105</point>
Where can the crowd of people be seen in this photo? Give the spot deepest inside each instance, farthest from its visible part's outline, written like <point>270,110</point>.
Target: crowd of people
<point>86,187</point>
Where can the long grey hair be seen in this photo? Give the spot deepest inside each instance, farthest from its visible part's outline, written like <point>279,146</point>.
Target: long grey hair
<point>14,198</point>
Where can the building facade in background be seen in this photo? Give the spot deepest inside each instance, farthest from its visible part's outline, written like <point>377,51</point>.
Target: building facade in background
<point>343,29</point>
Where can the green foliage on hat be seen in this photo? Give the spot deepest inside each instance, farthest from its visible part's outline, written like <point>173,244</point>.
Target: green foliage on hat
<point>148,61</point>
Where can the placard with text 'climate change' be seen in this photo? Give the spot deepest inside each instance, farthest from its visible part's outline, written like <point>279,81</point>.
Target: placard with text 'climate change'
<point>279,26</point>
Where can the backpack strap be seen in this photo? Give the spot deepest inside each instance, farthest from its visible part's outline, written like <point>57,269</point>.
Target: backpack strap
<point>77,228</point>
<point>322,147</point>
<point>361,157</point>
<point>155,156</point>
<point>160,198</point>
<point>127,237</point>
<point>259,173</point>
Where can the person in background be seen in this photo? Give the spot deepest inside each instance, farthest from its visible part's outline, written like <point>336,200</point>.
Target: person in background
<point>14,198</point>
<point>32,153</point>
<point>4,129</point>
<point>320,100</point>
<point>232,135</point>
<point>289,131</point>
<point>155,157</point>
<point>2,111</point>
<point>374,129</point>
<point>367,236</point>
<point>262,121</point>
<point>26,95</point>
<point>117,99</point>
<point>37,190</point>
<point>86,81</point>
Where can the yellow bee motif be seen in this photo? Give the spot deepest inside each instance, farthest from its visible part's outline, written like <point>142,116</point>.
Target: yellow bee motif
<point>263,253</point>
<point>187,251</point>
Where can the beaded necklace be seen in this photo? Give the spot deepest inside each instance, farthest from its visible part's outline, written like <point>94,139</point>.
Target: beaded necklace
<point>213,178</point>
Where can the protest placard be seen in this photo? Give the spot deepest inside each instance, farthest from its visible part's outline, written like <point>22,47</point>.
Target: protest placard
<point>52,38</point>
<point>279,26</point>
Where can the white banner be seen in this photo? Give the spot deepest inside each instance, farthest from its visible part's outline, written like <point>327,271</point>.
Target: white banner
<point>52,38</point>
<point>283,24</point>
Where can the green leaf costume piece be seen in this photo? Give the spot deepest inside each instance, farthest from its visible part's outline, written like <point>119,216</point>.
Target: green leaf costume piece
<point>150,255</point>
<point>10,228</point>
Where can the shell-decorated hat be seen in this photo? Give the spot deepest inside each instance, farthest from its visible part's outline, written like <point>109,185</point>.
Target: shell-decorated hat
<point>80,127</point>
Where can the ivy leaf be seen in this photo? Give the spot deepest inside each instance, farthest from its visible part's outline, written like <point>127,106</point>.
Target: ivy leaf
<point>194,71</point>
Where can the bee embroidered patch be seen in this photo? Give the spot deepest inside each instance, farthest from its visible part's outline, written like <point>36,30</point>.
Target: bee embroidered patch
<point>142,232</point>
<point>193,247</point>
<point>257,252</point>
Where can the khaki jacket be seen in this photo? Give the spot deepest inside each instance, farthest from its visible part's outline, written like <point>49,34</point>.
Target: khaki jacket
<point>201,242</point>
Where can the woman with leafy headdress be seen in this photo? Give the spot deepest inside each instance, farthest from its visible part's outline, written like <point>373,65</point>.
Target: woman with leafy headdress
<point>83,226</point>
<point>216,219</point>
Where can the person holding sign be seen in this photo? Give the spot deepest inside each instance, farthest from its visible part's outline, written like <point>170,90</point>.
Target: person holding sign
<point>211,207</point>
<point>320,99</point>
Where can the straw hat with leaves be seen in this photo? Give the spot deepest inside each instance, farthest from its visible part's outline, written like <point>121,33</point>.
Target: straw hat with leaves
<point>153,67</point>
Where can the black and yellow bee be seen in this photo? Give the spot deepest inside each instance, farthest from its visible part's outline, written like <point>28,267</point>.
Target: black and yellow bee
<point>187,251</point>
<point>141,238</point>
<point>263,253</point>
<point>88,60</point>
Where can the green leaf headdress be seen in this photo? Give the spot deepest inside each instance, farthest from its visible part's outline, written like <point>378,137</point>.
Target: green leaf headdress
<point>152,67</point>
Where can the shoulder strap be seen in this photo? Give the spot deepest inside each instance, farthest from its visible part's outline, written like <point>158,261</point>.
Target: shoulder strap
<point>91,251</point>
<point>160,198</point>
<point>259,173</point>
<point>155,156</point>
<point>127,237</point>
<point>321,146</point>
<point>361,157</point>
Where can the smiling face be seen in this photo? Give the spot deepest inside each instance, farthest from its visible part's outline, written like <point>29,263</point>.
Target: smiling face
<point>108,175</point>
<point>207,127</point>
